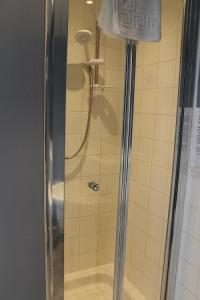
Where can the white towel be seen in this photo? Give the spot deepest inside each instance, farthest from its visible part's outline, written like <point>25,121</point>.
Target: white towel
<point>139,20</point>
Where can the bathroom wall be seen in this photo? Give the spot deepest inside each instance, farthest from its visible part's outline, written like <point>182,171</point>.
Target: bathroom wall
<point>89,216</point>
<point>153,145</point>
<point>22,259</point>
<point>188,277</point>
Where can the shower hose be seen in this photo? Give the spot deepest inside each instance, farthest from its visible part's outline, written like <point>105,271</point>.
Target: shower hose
<point>86,134</point>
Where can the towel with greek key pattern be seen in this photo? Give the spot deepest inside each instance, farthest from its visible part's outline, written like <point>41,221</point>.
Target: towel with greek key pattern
<point>139,20</point>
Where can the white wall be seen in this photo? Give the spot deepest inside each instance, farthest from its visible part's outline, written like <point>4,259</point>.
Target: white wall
<point>188,278</point>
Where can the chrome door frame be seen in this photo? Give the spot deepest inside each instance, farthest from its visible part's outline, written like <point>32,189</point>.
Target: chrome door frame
<point>55,100</point>
<point>125,168</point>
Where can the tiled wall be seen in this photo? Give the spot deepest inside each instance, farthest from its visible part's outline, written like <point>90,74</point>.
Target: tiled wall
<point>89,216</point>
<point>153,145</point>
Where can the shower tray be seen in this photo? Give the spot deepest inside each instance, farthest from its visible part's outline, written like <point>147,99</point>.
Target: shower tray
<point>96,284</point>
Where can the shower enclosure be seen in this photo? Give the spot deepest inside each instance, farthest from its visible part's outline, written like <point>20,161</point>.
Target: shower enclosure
<point>114,241</point>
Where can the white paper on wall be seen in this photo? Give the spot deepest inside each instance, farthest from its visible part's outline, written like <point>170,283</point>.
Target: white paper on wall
<point>195,147</point>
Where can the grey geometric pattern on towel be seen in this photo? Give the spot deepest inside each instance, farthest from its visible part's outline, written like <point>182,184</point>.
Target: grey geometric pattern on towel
<point>138,19</point>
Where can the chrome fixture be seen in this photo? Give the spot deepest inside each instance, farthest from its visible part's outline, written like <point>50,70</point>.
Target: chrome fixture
<point>97,52</point>
<point>83,36</point>
<point>122,216</point>
<point>94,186</point>
<point>54,113</point>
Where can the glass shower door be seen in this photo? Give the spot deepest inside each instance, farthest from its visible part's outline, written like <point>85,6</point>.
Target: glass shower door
<point>155,109</point>
<point>95,81</point>
<point>95,72</point>
<point>95,92</point>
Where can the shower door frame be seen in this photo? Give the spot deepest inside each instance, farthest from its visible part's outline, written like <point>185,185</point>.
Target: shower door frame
<point>56,30</point>
<point>55,101</point>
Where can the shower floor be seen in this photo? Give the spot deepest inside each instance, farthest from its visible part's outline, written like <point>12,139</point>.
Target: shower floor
<point>96,284</point>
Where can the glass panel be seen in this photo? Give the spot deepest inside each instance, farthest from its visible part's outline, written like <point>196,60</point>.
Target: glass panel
<point>92,176</point>
<point>90,216</point>
<point>153,145</point>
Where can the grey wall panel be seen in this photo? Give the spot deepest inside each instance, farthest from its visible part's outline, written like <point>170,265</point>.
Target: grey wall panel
<point>22,264</point>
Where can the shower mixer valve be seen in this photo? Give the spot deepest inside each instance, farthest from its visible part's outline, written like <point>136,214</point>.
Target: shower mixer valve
<point>93,186</point>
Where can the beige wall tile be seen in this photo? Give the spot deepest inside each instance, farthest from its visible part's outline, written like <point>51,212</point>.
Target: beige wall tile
<point>88,225</point>
<point>73,188</point>
<point>140,54</point>
<point>72,227</point>
<point>153,249</point>
<point>72,246</point>
<point>88,260</point>
<point>88,243</point>
<point>166,3</point>
<point>151,271</point>
<point>138,78</point>
<point>113,58</point>
<point>108,203</point>
<point>110,164</point>
<point>160,179</point>
<point>140,217</point>
<point>71,264</point>
<point>72,143</point>
<point>168,47</point>
<point>147,126</point>
<point>145,147</point>
<point>90,165</point>
<point>159,204</point>
<point>89,206</point>
<point>72,208</point>
<point>137,259</point>
<point>149,77</point>
<point>106,239</point>
<point>142,194</point>
<point>114,78</point>
<point>155,227</point>
<point>73,166</point>
<point>167,74</point>
<point>107,221</point>
<point>74,100</point>
<point>136,125</point>
<point>93,146</point>
<point>166,101</point>
<point>163,154</point>
<point>109,183</point>
<point>147,101</point>
<point>74,122</point>
<point>149,290</point>
<point>170,19</point>
<point>150,53</point>
<point>105,256</point>
<point>75,55</point>
<point>143,172</point>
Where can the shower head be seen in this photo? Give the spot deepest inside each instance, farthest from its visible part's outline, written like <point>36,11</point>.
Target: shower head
<point>83,36</point>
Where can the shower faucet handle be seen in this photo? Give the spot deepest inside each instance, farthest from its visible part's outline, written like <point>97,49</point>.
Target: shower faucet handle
<point>93,186</point>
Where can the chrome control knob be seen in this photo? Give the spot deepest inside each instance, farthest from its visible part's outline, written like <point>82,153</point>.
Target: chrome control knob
<point>93,186</point>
